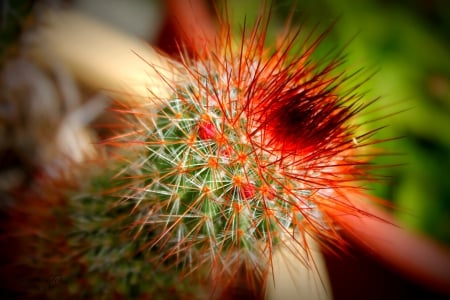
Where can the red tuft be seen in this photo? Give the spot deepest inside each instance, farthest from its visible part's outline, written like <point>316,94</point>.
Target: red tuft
<point>248,191</point>
<point>206,130</point>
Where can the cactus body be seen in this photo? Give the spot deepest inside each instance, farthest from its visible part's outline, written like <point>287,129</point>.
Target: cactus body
<point>245,153</point>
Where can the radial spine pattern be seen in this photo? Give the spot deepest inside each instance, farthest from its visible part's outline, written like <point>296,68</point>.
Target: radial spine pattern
<point>246,152</point>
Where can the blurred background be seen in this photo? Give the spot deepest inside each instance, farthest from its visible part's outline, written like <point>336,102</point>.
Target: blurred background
<point>406,43</point>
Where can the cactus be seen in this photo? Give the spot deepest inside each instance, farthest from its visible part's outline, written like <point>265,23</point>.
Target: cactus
<point>245,153</point>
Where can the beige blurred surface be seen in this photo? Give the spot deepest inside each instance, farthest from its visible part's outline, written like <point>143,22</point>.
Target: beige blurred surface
<point>295,279</point>
<point>101,56</point>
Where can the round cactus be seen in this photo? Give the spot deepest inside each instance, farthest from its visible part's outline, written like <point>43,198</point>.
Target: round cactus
<point>247,151</point>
